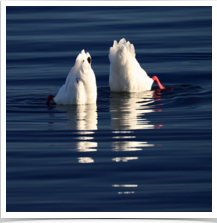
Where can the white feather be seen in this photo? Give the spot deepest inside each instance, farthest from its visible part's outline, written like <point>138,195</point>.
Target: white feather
<point>80,85</point>
<point>126,74</point>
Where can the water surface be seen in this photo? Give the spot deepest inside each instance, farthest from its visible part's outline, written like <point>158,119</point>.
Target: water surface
<point>138,152</point>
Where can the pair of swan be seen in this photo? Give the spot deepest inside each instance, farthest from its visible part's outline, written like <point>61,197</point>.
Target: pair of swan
<point>126,75</point>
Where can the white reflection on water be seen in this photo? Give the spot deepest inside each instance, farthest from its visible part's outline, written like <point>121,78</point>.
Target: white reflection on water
<point>80,117</point>
<point>126,110</point>
<point>125,186</point>
<point>85,160</point>
<point>126,192</point>
<point>124,159</point>
<point>127,114</point>
<point>129,145</point>
<point>84,119</point>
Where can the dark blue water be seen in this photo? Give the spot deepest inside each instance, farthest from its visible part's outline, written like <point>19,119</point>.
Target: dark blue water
<point>139,152</point>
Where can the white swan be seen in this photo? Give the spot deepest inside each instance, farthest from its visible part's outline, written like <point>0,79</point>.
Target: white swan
<point>80,85</point>
<point>126,74</point>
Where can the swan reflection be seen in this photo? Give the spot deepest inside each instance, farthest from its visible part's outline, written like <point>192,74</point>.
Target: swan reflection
<point>129,145</point>
<point>125,186</point>
<point>124,159</point>
<point>80,117</point>
<point>127,108</point>
<point>84,119</point>
<point>127,115</point>
<point>85,160</point>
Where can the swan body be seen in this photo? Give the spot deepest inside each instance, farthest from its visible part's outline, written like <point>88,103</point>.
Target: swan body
<point>126,74</point>
<point>80,85</point>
